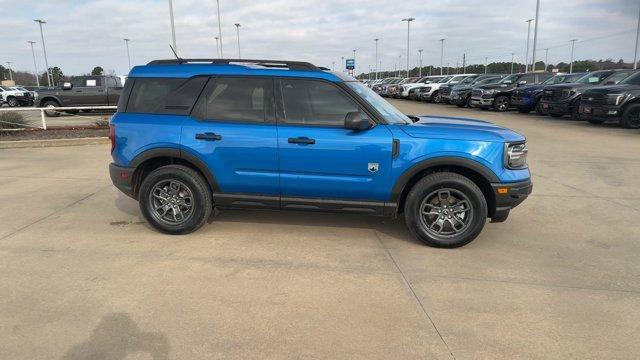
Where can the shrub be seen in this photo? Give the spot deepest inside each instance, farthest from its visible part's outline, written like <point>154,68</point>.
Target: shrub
<point>102,123</point>
<point>12,120</point>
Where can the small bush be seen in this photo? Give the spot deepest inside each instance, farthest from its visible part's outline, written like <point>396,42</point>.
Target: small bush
<point>12,120</point>
<point>102,123</point>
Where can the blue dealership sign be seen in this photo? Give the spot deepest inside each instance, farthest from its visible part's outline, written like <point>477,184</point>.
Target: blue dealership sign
<point>351,64</point>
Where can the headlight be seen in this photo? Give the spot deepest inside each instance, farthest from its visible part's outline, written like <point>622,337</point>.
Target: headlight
<point>516,155</point>
<point>616,99</point>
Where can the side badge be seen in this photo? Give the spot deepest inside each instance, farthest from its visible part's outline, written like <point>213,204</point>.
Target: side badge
<point>373,167</point>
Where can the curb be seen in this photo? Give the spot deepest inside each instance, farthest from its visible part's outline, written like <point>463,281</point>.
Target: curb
<point>52,142</point>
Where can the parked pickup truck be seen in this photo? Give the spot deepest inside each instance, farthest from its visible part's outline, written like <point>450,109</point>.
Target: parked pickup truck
<point>81,91</point>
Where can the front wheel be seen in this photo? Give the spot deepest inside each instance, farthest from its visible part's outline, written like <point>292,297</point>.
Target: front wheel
<point>435,97</point>
<point>631,117</point>
<point>501,103</point>
<point>445,210</point>
<point>175,199</point>
<point>51,105</point>
<point>13,102</point>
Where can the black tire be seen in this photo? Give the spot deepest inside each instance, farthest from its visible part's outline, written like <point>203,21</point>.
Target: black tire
<point>458,187</point>
<point>467,102</point>
<point>556,115</point>
<point>501,103</point>
<point>51,104</point>
<point>524,110</point>
<point>631,117</point>
<point>13,102</point>
<point>190,184</point>
<point>595,121</point>
<point>539,109</point>
<point>575,110</point>
<point>435,97</point>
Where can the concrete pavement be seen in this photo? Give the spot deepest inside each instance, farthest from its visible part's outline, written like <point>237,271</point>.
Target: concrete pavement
<point>84,277</point>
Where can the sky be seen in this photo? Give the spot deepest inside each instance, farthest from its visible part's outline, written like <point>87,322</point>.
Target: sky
<point>82,34</point>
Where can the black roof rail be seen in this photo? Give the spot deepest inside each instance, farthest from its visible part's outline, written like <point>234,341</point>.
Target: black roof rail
<point>292,65</point>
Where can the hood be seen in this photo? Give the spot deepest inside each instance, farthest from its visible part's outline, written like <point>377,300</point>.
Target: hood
<point>460,129</point>
<point>569,86</point>
<point>495,86</point>
<point>612,89</point>
<point>531,88</point>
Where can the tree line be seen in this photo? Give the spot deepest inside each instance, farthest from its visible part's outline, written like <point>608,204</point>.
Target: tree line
<point>26,78</point>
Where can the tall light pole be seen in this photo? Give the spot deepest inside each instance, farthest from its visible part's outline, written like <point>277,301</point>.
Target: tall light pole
<point>355,64</point>
<point>486,59</point>
<point>535,36</point>
<point>408,20</point>
<point>126,41</point>
<point>512,54</point>
<point>526,58</point>
<point>464,63</point>
<point>420,63</point>
<point>333,66</point>
<point>173,28</point>
<point>217,47</point>
<point>573,42</point>
<point>546,59</point>
<point>35,66</point>
<point>441,54</point>
<point>343,64</point>
<point>44,50</point>
<point>219,28</point>
<point>10,72</point>
<point>238,35</point>
<point>635,54</point>
<point>377,69</point>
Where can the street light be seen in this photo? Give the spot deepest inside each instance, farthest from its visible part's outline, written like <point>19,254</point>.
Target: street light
<point>126,41</point>
<point>35,66</point>
<point>546,59</point>
<point>635,54</point>
<point>9,67</point>
<point>408,20</point>
<point>355,64</point>
<point>486,59</point>
<point>573,42</point>
<point>217,47</point>
<point>441,54</point>
<point>526,58</point>
<point>420,63</point>
<point>238,34</point>
<point>377,69</point>
<point>535,36</point>
<point>219,28</point>
<point>44,50</point>
<point>173,28</point>
<point>512,54</point>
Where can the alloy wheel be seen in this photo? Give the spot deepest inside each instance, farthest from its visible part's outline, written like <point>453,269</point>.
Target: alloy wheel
<point>171,202</point>
<point>445,213</point>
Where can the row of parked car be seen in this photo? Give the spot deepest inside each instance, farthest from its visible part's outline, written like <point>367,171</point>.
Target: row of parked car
<point>597,96</point>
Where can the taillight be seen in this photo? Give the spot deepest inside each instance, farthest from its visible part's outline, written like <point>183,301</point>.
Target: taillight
<point>112,136</point>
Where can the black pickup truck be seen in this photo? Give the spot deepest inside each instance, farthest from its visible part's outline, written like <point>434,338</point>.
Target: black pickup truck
<point>620,103</point>
<point>81,91</point>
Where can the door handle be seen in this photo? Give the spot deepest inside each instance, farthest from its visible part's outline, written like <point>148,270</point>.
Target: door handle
<point>301,140</point>
<point>209,136</point>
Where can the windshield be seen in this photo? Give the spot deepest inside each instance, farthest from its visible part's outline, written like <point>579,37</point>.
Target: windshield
<point>458,79</point>
<point>445,79</point>
<point>593,78</point>
<point>632,80</point>
<point>509,79</point>
<point>468,80</point>
<point>388,111</point>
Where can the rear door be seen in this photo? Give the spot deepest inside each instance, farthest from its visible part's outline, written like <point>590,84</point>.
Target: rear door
<point>232,129</point>
<point>319,158</point>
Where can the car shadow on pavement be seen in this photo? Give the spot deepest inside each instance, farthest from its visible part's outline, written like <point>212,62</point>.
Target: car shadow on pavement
<point>116,337</point>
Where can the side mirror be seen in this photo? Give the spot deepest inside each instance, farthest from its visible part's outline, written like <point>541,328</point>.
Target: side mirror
<point>356,121</point>
<point>67,86</point>
<point>523,82</point>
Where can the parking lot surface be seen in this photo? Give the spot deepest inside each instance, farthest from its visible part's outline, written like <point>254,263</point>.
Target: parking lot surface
<point>84,277</point>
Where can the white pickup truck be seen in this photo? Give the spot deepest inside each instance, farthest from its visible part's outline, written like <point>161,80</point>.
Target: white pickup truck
<point>431,92</point>
<point>15,97</point>
<point>406,88</point>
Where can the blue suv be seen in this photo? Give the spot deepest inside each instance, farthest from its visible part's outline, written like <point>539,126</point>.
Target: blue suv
<point>193,135</point>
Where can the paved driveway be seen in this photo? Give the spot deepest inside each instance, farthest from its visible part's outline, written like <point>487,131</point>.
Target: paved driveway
<point>83,277</point>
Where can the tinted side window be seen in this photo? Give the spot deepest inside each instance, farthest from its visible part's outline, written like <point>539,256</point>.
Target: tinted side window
<point>312,102</point>
<point>529,78</point>
<point>542,77</point>
<point>164,95</point>
<point>616,78</point>
<point>236,99</point>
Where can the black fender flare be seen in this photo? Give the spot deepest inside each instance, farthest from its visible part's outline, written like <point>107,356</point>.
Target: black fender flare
<point>46,98</point>
<point>175,153</point>
<point>403,180</point>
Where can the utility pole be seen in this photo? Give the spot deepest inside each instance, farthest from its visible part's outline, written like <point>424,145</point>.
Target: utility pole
<point>342,61</point>
<point>512,54</point>
<point>408,20</point>
<point>546,59</point>
<point>355,64</point>
<point>420,63</point>
<point>441,54</point>
<point>376,65</point>
<point>219,28</point>
<point>44,50</point>
<point>573,42</point>
<point>126,41</point>
<point>535,35</point>
<point>464,63</point>
<point>10,72</point>
<point>485,64</point>
<point>217,48</point>
<point>238,35</point>
<point>35,66</point>
<point>173,28</point>
<point>526,58</point>
<point>635,54</point>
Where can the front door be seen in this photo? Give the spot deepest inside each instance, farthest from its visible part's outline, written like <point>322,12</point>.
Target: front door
<point>319,158</point>
<point>232,128</point>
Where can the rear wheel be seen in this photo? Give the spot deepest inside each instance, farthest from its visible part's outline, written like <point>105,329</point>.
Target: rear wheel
<point>631,117</point>
<point>501,103</point>
<point>13,102</point>
<point>445,210</point>
<point>51,105</point>
<point>175,199</point>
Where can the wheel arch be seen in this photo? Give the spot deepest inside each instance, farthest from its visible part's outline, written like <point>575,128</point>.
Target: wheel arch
<point>476,172</point>
<point>46,98</point>
<point>149,160</point>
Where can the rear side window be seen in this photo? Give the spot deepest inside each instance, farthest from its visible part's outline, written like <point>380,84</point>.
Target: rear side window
<point>310,102</point>
<point>167,96</point>
<point>236,99</point>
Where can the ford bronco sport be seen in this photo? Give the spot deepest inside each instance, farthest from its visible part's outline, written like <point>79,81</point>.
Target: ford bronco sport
<point>193,135</point>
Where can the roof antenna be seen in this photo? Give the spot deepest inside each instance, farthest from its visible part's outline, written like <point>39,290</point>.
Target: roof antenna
<point>174,52</point>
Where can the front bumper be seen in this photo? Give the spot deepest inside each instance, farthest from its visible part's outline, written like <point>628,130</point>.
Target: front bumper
<point>600,112</point>
<point>482,102</point>
<point>508,196</point>
<point>121,176</point>
<point>556,107</point>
